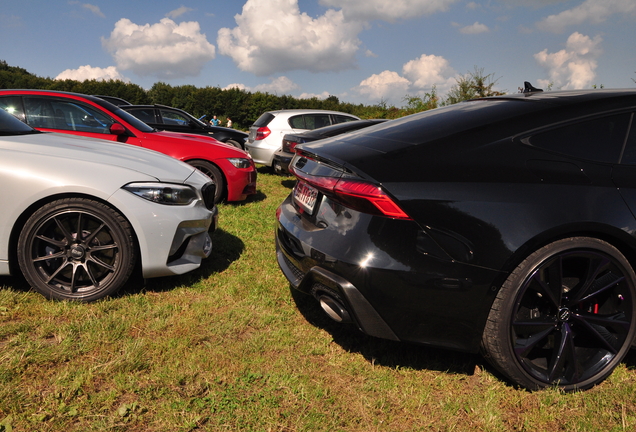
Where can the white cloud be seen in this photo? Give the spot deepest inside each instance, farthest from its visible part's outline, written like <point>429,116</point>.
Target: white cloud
<point>592,11</point>
<point>95,9</point>
<point>419,77</point>
<point>165,50</point>
<point>475,28</point>
<point>236,85</point>
<point>386,86</point>
<point>89,73</point>
<point>91,7</point>
<point>574,66</point>
<point>428,71</point>
<point>368,10</point>
<point>323,95</point>
<point>274,36</point>
<point>280,85</point>
<point>178,12</point>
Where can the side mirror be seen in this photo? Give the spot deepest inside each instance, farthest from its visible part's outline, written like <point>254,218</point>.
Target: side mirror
<point>117,129</point>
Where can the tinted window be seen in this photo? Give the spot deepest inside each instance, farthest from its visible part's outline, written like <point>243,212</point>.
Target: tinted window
<point>629,156</point>
<point>10,125</point>
<point>599,139</point>
<point>146,115</point>
<point>315,121</point>
<point>297,122</point>
<point>12,105</point>
<point>264,119</point>
<point>343,119</point>
<point>65,114</point>
<point>173,118</point>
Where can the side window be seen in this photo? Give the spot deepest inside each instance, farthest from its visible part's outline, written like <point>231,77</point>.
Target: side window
<point>146,115</point>
<point>174,118</point>
<point>629,155</point>
<point>65,114</point>
<point>315,121</point>
<point>599,139</point>
<point>343,119</point>
<point>13,105</point>
<point>297,122</point>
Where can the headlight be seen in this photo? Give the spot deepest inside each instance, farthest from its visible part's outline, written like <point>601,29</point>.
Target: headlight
<point>240,162</point>
<point>163,193</point>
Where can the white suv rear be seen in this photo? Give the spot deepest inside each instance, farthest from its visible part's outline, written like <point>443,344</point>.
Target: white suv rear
<point>266,134</point>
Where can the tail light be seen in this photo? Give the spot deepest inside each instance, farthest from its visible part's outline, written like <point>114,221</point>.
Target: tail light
<point>355,194</point>
<point>289,146</point>
<point>262,133</point>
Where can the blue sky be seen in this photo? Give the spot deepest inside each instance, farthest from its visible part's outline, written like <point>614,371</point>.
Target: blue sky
<point>362,51</point>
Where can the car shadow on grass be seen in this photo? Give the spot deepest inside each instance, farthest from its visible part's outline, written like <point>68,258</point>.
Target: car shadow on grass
<point>388,353</point>
<point>226,248</point>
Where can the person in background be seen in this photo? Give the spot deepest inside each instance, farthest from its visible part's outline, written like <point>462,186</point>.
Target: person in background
<point>229,122</point>
<point>215,121</point>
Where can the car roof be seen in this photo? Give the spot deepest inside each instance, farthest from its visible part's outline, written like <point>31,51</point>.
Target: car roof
<point>307,111</point>
<point>98,100</point>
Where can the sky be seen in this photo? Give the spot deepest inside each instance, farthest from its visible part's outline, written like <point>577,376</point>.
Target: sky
<point>362,51</point>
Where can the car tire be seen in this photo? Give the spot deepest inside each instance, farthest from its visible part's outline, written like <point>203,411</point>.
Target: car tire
<point>565,317</point>
<point>76,249</point>
<point>234,143</point>
<point>214,173</point>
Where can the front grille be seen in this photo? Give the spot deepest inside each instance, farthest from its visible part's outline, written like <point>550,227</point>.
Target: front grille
<point>209,191</point>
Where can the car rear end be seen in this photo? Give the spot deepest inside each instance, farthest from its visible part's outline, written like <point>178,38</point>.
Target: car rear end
<point>260,144</point>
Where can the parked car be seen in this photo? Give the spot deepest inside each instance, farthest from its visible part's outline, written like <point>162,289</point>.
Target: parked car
<point>283,157</point>
<point>173,119</point>
<point>266,134</point>
<point>114,100</point>
<point>79,214</point>
<point>232,169</point>
<point>503,223</point>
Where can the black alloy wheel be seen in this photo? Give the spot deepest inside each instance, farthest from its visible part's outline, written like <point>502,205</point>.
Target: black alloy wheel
<point>76,249</point>
<point>210,170</point>
<point>565,317</point>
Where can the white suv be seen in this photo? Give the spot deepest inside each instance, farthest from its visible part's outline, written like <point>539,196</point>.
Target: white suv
<point>266,134</point>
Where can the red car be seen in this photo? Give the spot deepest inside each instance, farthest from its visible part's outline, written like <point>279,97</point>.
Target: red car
<point>71,113</point>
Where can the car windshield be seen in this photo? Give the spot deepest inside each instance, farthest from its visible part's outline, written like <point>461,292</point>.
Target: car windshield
<point>11,125</point>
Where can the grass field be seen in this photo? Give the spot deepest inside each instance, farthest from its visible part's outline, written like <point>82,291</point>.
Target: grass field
<point>229,347</point>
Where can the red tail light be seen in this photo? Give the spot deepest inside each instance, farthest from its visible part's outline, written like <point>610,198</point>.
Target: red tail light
<point>289,146</point>
<point>262,133</point>
<point>355,194</point>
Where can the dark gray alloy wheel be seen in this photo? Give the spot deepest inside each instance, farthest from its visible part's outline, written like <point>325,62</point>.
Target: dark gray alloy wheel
<point>210,170</point>
<point>565,317</point>
<point>76,249</point>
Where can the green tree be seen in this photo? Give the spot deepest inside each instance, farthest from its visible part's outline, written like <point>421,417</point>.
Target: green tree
<point>472,85</point>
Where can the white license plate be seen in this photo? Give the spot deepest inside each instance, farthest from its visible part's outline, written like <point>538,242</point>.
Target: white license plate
<point>305,196</point>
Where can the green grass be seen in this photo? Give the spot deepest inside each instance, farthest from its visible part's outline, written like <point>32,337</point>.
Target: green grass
<point>229,347</point>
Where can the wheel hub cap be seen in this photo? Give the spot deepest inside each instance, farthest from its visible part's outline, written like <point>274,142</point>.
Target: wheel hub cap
<point>564,314</point>
<point>77,252</point>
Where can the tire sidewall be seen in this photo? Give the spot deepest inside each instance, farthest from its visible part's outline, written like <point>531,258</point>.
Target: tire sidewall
<point>510,294</point>
<point>116,223</point>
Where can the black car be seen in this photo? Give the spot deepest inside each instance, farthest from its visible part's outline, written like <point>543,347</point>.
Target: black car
<point>173,119</point>
<point>290,141</point>
<point>504,224</point>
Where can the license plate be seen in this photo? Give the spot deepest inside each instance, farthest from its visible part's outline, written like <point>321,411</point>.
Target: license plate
<point>305,196</point>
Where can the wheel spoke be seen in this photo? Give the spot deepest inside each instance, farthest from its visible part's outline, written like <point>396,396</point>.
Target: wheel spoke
<point>598,328</point>
<point>58,255</point>
<point>562,354</point>
<point>586,288</point>
<point>96,231</point>
<point>65,232</point>
<point>56,243</point>
<point>523,345</point>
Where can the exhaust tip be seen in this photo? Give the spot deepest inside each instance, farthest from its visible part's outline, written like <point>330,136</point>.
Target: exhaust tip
<point>334,309</point>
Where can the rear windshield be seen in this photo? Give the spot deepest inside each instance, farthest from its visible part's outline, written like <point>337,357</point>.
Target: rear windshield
<point>264,120</point>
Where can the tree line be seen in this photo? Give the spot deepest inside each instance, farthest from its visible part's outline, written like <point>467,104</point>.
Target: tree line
<point>243,106</point>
